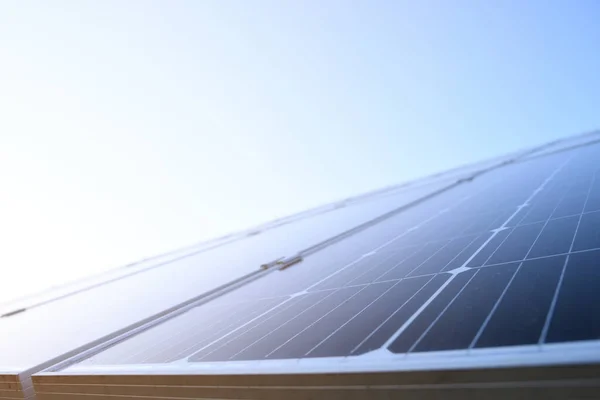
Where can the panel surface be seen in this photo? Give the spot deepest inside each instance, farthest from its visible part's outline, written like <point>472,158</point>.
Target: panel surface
<point>501,261</point>
<point>76,320</point>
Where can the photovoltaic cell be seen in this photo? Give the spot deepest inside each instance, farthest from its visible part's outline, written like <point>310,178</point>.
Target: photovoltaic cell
<point>305,344</point>
<point>588,234</point>
<point>457,326</point>
<point>571,205</point>
<point>398,318</point>
<point>577,312</point>
<point>517,244</point>
<point>351,334</point>
<point>409,337</point>
<point>555,238</point>
<point>522,309</point>
<point>501,261</point>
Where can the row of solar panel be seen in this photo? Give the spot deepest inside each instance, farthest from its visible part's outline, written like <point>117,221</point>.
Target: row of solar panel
<point>494,263</point>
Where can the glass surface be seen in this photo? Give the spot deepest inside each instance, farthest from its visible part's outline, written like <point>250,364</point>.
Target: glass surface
<point>443,275</point>
<point>53,329</point>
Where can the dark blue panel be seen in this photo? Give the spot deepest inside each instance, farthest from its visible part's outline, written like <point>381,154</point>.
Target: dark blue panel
<point>219,341</point>
<point>540,212</point>
<point>347,274</point>
<point>481,224</point>
<point>593,201</point>
<point>308,307</point>
<point>481,257</point>
<point>443,257</point>
<point>570,205</point>
<point>350,336</point>
<point>378,269</point>
<point>190,326</point>
<point>556,237</point>
<point>461,259</point>
<point>577,313</point>
<point>310,336</point>
<point>521,314</point>
<point>588,233</point>
<point>459,324</point>
<point>405,310</point>
<point>411,334</point>
<point>413,262</point>
<point>180,348</point>
<point>517,244</point>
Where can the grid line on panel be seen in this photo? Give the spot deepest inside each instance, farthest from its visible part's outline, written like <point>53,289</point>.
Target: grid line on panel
<point>348,321</point>
<point>420,246</point>
<point>228,320</point>
<point>440,290</point>
<point>273,315</point>
<point>378,282</point>
<point>383,245</point>
<point>437,273</point>
<point>413,249</point>
<point>421,263</point>
<point>457,255</point>
<point>391,315</point>
<point>516,158</point>
<point>323,316</point>
<point>553,218</point>
<point>239,327</point>
<point>506,222</point>
<point>375,265</point>
<point>427,259</point>
<point>387,243</point>
<point>494,308</point>
<point>530,224</point>
<point>152,333</point>
<point>238,316</point>
<point>221,323</point>
<point>546,327</point>
<point>533,207</point>
<point>503,294</point>
<point>183,352</point>
<point>426,331</point>
<point>417,238</point>
<point>536,258</point>
<point>294,317</point>
<point>168,339</point>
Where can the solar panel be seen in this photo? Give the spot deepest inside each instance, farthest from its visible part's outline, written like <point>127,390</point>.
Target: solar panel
<point>505,261</point>
<point>140,292</point>
<point>487,277</point>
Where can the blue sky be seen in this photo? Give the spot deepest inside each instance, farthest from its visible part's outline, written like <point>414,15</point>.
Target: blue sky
<point>131,128</point>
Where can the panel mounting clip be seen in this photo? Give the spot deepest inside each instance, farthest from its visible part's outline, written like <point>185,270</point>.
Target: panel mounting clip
<point>282,262</point>
<point>288,262</point>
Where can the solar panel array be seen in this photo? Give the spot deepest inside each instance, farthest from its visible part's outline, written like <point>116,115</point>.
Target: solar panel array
<point>141,292</point>
<point>484,278</point>
<point>509,259</point>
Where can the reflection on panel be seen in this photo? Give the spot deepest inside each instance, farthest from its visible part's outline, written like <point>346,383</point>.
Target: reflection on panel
<point>80,316</point>
<point>496,262</point>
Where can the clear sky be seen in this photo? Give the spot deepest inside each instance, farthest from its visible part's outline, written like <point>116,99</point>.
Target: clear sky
<point>128,128</point>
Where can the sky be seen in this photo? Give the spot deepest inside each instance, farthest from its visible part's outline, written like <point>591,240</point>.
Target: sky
<point>130,128</point>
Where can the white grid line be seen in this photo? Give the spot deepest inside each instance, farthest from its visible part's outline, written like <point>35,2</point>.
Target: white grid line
<point>415,268</point>
<point>441,289</point>
<point>391,315</point>
<point>509,262</point>
<point>550,314</point>
<point>287,305</point>
<point>347,322</point>
<point>499,300</point>
<point>416,343</point>
<point>294,317</point>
